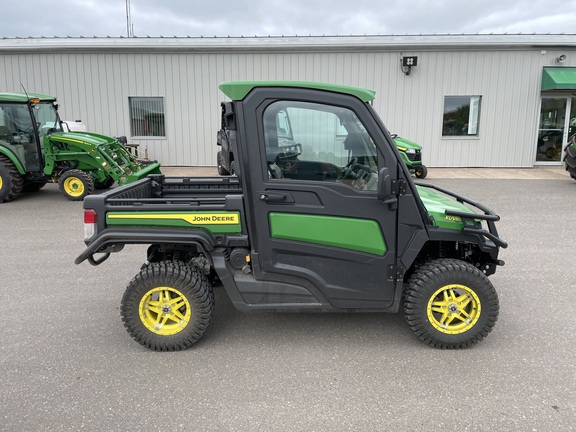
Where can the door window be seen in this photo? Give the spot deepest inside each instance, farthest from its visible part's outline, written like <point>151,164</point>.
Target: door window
<point>315,142</point>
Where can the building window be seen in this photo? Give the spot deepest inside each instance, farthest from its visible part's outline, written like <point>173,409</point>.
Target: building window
<point>461,115</point>
<point>147,116</point>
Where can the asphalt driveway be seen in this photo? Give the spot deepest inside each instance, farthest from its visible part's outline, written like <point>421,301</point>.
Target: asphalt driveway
<point>67,363</point>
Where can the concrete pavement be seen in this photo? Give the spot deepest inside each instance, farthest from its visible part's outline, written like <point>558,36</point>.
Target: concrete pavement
<point>68,364</point>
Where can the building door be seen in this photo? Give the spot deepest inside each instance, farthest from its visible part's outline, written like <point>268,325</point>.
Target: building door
<point>557,126</point>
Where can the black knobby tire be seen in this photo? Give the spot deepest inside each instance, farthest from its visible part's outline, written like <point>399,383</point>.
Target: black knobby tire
<point>76,184</point>
<point>220,161</point>
<point>449,303</point>
<point>186,292</point>
<point>421,172</point>
<point>11,181</point>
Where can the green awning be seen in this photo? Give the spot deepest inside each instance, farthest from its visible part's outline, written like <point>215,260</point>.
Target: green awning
<point>559,78</point>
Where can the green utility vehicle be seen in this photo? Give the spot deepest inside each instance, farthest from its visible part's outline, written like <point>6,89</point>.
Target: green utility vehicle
<point>331,221</point>
<point>35,150</point>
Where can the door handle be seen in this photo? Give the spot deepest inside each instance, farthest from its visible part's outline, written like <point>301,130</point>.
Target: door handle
<point>276,197</point>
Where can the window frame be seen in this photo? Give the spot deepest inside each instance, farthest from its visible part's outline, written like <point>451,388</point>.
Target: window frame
<point>162,127</point>
<point>474,106</point>
<point>321,108</point>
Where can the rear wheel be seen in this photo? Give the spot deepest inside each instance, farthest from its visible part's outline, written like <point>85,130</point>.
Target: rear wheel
<point>168,306</point>
<point>11,181</point>
<point>449,303</point>
<point>76,184</point>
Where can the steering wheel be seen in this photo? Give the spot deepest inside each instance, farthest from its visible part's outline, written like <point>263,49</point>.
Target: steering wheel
<point>348,169</point>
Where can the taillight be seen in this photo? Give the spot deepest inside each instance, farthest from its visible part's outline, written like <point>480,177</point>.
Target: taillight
<point>90,220</point>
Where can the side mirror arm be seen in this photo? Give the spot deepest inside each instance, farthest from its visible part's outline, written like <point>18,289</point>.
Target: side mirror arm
<point>385,193</point>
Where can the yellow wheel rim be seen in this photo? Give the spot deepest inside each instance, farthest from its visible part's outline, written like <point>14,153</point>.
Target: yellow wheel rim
<point>454,309</point>
<point>74,186</point>
<point>0,182</point>
<point>164,311</point>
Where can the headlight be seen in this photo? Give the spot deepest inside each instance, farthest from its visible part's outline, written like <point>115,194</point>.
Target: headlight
<point>410,151</point>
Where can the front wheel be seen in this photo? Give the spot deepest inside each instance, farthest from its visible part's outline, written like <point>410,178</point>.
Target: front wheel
<point>168,306</point>
<point>76,184</point>
<point>449,303</point>
<point>421,172</point>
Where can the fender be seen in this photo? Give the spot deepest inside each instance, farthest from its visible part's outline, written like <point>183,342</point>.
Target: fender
<point>114,240</point>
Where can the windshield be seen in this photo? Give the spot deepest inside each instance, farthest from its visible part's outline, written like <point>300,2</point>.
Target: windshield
<point>46,117</point>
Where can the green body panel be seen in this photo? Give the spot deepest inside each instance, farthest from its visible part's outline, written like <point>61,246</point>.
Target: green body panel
<point>25,97</point>
<point>237,90</point>
<point>436,204</point>
<point>216,222</point>
<point>347,233</point>
<point>402,144</point>
<point>559,78</point>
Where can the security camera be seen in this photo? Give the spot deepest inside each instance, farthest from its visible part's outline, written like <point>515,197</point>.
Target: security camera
<point>561,59</point>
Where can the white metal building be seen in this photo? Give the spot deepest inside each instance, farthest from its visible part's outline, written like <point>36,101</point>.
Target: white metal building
<point>470,100</point>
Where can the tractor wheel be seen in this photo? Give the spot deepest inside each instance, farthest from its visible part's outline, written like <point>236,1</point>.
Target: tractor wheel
<point>103,185</point>
<point>449,303</point>
<point>11,181</point>
<point>421,172</point>
<point>167,306</point>
<point>76,184</point>
<point>233,168</point>
<point>219,160</point>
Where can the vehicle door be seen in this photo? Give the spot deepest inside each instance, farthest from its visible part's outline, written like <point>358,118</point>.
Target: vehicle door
<point>314,211</point>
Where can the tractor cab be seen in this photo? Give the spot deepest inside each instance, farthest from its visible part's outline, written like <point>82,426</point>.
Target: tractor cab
<point>23,119</point>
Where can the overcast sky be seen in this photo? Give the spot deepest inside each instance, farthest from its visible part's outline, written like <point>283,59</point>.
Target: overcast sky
<point>75,18</point>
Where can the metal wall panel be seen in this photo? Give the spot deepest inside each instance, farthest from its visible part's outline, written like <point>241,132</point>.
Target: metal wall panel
<point>95,88</point>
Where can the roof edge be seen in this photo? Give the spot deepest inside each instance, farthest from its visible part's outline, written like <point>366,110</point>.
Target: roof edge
<point>448,41</point>
<point>238,90</point>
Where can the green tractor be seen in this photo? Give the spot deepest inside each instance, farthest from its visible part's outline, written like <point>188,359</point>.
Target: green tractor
<point>411,155</point>
<point>35,150</point>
